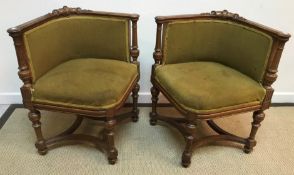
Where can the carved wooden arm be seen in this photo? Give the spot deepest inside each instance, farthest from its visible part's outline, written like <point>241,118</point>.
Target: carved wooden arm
<point>134,51</point>
<point>134,48</point>
<point>24,72</point>
<point>270,75</point>
<point>157,55</point>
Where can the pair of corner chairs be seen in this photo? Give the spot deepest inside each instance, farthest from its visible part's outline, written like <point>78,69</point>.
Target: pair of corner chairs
<point>85,63</point>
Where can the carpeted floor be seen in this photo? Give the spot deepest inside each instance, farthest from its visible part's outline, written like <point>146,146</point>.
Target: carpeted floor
<point>145,149</point>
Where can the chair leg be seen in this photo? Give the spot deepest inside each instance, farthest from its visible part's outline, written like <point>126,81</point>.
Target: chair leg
<point>258,117</point>
<point>153,114</point>
<point>34,116</point>
<point>187,154</point>
<point>135,95</point>
<point>111,150</point>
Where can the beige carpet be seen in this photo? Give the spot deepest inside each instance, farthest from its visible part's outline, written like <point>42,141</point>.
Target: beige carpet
<point>144,149</point>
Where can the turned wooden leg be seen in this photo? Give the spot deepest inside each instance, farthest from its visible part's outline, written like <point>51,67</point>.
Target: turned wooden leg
<point>40,144</point>
<point>135,95</point>
<point>258,117</point>
<point>187,154</point>
<point>111,150</point>
<point>153,114</point>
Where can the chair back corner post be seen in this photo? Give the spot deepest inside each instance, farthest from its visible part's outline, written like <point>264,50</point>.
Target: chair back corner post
<point>270,75</point>
<point>157,54</point>
<point>134,48</point>
<point>24,72</point>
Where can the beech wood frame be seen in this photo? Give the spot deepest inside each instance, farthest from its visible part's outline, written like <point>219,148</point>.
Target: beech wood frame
<point>186,125</point>
<point>108,117</point>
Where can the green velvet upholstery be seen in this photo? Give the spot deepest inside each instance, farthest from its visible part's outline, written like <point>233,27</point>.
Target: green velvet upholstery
<point>70,37</point>
<point>89,83</point>
<point>242,48</point>
<point>204,87</point>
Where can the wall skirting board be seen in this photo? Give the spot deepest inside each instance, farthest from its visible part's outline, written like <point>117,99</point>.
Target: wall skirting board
<point>10,98</point>
<point>144,97</point>
<point>283,97</point>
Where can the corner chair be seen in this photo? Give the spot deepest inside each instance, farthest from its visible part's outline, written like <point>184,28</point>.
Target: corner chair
<point>80,62</point>
<point>214,65</point>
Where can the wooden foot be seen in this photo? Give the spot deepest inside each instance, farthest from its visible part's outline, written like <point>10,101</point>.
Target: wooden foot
<point>111,150</point>
<point>187,154</point>
<point>135,110</point>
<point>40,144</point>
<point>153,114</point>
<point>153,120</point>
<point>186,159</point>
<point>112,156</point>
<point>258,117</point>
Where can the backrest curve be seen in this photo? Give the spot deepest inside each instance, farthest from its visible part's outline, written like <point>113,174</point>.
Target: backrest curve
<point>79,36</point>
<point>18,32</point>
<point>213,42</point>
<point>225,16</point>
<point>67,12</point>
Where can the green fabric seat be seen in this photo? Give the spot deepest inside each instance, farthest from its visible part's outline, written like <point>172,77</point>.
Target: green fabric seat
<point>204,87</point>
<point>86,83</point>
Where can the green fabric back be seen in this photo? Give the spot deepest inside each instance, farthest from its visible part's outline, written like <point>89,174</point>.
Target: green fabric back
<point>72,37</point>
<point>242,48</point>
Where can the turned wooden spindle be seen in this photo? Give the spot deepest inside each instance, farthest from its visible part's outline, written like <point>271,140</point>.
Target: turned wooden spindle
<point>135,96</point>
<point>35,116</point>
<point>109,127</point>
<point>187,154</point>
<point>258,117</point>
<point>154,98</point>
<point>134,48</point>
<point>157,54</point>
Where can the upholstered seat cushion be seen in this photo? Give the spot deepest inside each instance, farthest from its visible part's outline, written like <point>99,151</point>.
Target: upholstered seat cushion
<point>207,87</point>
<point>86,83</point>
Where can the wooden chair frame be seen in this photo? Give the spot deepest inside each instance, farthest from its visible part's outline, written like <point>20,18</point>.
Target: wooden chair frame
<point>187,125</point>
<point>108,117</point>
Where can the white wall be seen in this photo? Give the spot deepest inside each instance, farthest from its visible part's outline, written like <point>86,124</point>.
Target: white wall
<point>273,13</point>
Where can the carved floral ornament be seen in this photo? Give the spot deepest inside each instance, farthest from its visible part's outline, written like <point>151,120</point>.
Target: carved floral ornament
<point>225,13</point>
<point>66,11</point>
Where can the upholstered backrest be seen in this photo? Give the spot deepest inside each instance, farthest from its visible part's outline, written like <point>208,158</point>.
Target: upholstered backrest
<point>70,37</point>
<point>240,47</point>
